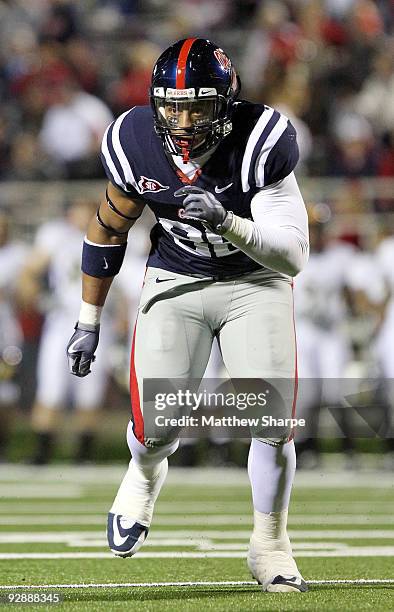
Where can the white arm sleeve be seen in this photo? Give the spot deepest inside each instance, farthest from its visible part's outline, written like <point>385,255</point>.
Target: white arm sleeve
<point>277,238</point>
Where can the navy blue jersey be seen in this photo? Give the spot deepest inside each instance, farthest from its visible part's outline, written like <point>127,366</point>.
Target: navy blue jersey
<point>260,150</point>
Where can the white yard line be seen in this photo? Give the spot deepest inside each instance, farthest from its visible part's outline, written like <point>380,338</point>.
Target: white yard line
<point>50,491</point>
<point>357,551</point>
<point>55,538</point>
<point>107,474</point>
<point>54,507</point>
<point>370,508</point>
<point>49,519</point>
<point>207,477</point>
<point>341,519</point>
<point>117,585</point>
<point>197,519</point>
<point>299,546</point>
<point>343,506</point>
<point>202,543</point>
<point>193,534</point>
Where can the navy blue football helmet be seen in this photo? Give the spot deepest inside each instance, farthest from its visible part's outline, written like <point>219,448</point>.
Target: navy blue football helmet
<point>194,86</point>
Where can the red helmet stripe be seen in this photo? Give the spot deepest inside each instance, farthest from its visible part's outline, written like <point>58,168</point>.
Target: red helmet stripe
<point>181,65</point>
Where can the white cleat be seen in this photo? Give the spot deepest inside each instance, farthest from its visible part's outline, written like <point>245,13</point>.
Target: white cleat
<point>276,571</point>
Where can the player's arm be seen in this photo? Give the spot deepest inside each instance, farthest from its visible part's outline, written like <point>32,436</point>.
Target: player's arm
<point>107,231</point>
<point>102,257</point>
<point>276,237</point>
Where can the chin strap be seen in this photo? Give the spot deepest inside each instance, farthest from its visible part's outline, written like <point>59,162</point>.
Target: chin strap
<point>185,147</point>
<point>185,155</point>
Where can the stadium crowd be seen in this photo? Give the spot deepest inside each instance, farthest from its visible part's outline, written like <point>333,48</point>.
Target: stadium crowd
<point>67,68</point>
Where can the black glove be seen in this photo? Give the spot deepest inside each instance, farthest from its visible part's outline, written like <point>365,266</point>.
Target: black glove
<point>202,206</point>
<point>81,348</point>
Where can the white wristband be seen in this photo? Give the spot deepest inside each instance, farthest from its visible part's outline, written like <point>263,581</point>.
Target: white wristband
<point>89,314</point>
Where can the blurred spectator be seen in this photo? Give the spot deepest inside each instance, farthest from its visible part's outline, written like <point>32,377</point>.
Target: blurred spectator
<point>354,154</point>
<point>45,68</point>
<point>270,22</point>
<point>291,97</point>
<point>84,64</point>
<point>132,88</point>
<point>61,21</point>
<point>376,98</point>
<point>203,16</point>
<point>27,162</point>
<point>73,128</point>
<point>364,26</point>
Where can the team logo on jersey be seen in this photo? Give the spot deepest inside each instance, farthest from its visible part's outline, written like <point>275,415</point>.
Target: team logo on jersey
<point>148,184</point>
<point>222,58</point>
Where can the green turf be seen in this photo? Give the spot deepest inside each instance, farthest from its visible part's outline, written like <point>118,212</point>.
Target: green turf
<point>232,501</point>
<point>327,598</point>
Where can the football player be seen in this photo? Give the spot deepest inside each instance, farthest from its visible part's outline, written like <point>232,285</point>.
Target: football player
<point>231,233</point>
<point>323,346</point>
<point>13,254</point>
<point>56,254</point>
<point>383,255</point>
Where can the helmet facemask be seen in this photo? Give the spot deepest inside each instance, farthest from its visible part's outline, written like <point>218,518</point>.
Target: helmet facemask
<point>190,125</point>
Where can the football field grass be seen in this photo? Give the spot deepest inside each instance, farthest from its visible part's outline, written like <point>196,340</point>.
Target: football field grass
<point>52,540</point>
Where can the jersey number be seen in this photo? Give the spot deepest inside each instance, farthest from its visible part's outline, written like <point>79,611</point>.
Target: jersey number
<point>201,242</point>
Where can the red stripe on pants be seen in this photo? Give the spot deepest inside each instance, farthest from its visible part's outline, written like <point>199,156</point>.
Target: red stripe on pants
<point>138,420</point>
<point>293,409</point>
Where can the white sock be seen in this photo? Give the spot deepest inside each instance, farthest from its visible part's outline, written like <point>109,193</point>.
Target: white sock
<point>139,490</point>
<point>271,472</point>
<point>270,532</point>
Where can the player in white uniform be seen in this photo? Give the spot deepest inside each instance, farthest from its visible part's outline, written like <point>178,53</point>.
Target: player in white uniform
<point>56,254</point>
<point>384,346</point>
<point>12,257</point>
<point>323,347</point>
